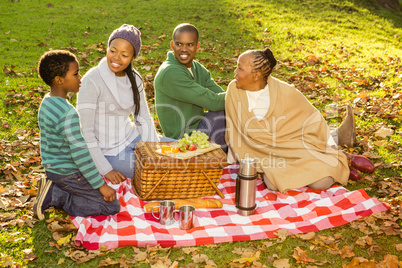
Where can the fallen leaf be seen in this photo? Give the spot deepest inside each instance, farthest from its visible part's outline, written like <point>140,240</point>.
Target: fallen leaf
<point>312,59</point>
<point>52,244</point>
<point>268,244</point>
<point>390,261</point>
<point>383,132</point>
<point>55,227</point>
<point>359,262</point>
<point>364,241</point>
<point>190,250</point>
<point>140,256</point>
<point>107,262</point>
<point>281,263</point>
<point>389,230</point>
<point>301,256</point>
<point>103,248</point>
<point>371,251</point>
<point>64,240</point>
<point>8,71</point>
<point>282,234</point>
<point>307,236</point>
<point>346,252</point>
<point>4,203</point>
<point>200,258</point>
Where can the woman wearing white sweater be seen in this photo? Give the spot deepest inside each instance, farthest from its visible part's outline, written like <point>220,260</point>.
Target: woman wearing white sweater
<point>113,109</point>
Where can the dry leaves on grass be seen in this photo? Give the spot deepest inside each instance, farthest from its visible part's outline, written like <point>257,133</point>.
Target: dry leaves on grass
<point>282,263</point>
<point>389,261</point>
<point>301,256</point>
<point>22,168</point>
<point>248,257</point>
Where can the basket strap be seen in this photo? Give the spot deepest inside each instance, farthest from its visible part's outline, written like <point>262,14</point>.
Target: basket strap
<point>156,185</point>
<point>213,185</point>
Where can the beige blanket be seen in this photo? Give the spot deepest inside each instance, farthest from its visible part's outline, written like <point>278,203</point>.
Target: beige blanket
<point>290,143</point>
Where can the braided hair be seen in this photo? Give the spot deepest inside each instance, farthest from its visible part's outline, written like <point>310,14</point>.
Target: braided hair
<point>136,93</point>
<point>264,61</point>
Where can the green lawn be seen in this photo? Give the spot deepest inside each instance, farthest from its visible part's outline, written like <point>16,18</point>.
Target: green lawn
<point>335,52</point>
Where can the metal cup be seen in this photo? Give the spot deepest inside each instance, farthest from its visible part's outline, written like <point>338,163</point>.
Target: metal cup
<point>186,217</point>
<point>166,209</point>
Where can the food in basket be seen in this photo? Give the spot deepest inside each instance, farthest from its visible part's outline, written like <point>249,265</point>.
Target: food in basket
<point>197,139</point>
<point>184,148</point>
<point>179,175</point>
<point>192,147</point>
<point>167,149</point>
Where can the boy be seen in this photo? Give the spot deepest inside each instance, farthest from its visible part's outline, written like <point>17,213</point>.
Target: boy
<point>73,183</point>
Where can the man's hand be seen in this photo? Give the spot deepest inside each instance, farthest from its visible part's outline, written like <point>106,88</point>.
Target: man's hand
<point>109,194</point>
<point>115,177</point>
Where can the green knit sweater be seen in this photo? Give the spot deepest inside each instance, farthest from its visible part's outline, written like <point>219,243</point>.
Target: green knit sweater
<point>62,147</point>
<point>180,98</point>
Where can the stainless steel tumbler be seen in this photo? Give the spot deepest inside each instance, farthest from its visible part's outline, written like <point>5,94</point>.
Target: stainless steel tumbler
<point>166,209</point>
<point>186,217</point>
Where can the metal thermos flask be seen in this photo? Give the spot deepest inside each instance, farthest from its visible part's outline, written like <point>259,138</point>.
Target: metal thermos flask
<point>246,186</point>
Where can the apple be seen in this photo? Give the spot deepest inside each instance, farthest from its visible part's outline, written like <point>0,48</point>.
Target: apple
<point>192,147</point>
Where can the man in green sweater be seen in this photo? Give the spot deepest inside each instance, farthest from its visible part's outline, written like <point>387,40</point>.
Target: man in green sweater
<point>72,181</point>
<point>184,89</point>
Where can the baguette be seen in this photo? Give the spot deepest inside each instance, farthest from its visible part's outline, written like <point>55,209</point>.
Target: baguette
<point>196,202</point>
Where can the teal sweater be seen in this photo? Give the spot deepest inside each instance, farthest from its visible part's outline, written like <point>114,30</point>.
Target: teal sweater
<point>62,147</point>
<point>180,98</point>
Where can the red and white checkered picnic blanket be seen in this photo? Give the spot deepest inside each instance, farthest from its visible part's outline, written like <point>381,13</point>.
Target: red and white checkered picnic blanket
<point>297,211</point>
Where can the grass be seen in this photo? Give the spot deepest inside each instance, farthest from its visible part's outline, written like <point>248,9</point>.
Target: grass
<point>354,40</point>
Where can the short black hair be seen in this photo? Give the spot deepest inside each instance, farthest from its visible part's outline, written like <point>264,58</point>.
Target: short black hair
<point>54,63</point>
<point>185,27</point>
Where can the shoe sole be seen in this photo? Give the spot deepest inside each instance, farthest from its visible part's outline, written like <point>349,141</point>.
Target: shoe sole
<point>41,184</point>
<point>42,192</point>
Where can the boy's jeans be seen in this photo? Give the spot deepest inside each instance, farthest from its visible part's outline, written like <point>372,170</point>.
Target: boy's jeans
<point>76,197</point>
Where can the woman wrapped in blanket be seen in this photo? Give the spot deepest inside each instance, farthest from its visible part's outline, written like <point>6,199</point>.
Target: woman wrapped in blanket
<point>271,121</point>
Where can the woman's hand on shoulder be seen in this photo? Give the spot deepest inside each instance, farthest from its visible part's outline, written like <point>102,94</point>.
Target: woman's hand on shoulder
<point>115,177</point>
<point>109,194</point>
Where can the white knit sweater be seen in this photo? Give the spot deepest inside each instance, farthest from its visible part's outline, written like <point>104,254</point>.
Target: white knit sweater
<point>105,122</point>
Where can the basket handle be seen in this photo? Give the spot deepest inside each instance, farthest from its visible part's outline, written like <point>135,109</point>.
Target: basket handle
<point>213,185</point>
<point>156,185</point>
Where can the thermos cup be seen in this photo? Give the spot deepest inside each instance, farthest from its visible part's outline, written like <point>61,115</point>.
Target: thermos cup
<point>246,186</point>
<point>186,217</point>
<point>166,209</point>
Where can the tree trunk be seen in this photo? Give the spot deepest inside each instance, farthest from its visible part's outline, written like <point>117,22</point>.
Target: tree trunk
<point>392,5</point>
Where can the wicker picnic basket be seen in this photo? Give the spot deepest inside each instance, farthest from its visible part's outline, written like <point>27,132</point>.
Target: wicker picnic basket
<point>163,177</point>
